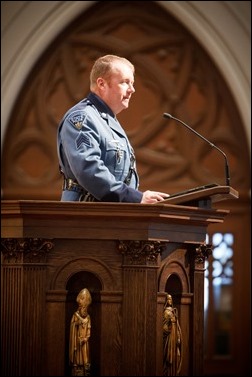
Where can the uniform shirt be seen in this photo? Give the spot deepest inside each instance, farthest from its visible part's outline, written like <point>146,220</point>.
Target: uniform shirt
<point>94,151</point>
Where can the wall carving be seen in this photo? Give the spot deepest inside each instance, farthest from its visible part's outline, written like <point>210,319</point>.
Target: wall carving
<point>173,74</point>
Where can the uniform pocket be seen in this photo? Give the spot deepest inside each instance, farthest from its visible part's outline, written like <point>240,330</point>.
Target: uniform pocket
<point>116,154</point>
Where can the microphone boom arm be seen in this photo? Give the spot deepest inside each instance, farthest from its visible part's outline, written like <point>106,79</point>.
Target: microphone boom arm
<point>169,116</point>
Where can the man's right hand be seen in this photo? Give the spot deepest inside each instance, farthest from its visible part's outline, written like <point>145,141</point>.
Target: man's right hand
<point>150,197</point>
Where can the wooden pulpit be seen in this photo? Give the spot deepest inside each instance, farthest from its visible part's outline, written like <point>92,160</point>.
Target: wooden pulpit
<point>129,256</point>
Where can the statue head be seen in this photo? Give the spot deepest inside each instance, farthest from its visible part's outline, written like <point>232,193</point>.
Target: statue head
<point>84,298</point>
<point>169,299</point>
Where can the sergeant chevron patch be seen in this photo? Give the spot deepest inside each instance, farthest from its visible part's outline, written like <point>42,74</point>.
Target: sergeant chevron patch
<point>83,139</point>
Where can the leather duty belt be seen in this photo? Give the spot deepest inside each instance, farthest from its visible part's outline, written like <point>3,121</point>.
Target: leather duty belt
<point>70,185</point>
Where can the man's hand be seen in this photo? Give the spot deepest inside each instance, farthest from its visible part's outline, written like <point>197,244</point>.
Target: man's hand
<point>150,197</point>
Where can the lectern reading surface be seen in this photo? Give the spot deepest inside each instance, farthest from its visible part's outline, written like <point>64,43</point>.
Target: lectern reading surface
<point>212,192</point>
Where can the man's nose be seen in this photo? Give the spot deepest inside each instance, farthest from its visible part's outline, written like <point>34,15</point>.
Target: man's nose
<point>131,88</point>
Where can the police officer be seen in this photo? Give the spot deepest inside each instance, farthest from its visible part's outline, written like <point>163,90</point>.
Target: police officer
<point>95,156</point>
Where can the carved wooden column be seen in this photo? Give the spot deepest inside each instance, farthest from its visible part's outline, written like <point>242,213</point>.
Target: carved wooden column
<point>199,257</point>
<point>140,264</point>
<point>23,271</point>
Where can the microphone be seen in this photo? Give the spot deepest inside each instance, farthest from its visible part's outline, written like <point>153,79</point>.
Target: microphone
<point>169,116</point>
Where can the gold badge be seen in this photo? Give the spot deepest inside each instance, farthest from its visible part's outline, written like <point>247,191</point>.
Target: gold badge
<point>78,125</point>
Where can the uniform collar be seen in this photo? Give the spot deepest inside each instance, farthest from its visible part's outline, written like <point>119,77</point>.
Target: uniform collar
<point>101,106</point>
<point>106,113</point>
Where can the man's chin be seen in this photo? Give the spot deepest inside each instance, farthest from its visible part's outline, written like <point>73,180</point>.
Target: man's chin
<point>125,104</point>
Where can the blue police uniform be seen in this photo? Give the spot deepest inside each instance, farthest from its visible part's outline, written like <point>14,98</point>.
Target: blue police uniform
<point>95,155</point>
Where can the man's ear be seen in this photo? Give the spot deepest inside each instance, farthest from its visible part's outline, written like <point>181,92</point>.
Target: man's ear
<point>100,83</point>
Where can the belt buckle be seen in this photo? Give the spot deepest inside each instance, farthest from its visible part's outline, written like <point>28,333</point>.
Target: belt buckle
<point>70,184</point>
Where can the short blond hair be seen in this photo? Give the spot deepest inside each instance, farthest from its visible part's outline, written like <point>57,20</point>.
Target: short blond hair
<point>104,66</point>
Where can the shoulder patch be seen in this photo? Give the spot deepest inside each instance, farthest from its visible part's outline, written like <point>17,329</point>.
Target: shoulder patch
<point>77,119</point>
